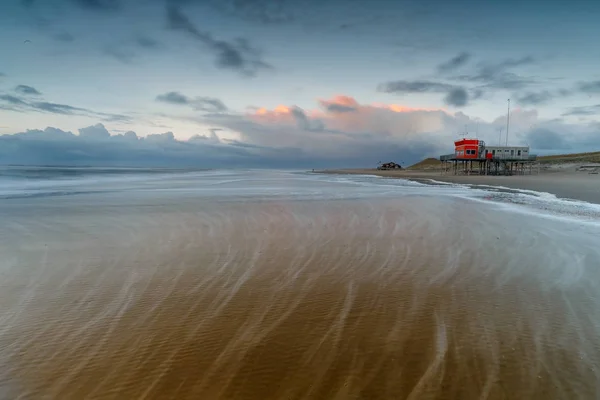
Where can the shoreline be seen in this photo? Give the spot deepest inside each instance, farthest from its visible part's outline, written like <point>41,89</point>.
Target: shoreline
<point>565,184</point>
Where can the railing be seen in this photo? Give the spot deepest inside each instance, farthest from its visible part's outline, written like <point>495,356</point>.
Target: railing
<point>502,156</point>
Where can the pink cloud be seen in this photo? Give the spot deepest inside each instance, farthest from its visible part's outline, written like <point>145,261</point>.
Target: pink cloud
<point>346,114</point>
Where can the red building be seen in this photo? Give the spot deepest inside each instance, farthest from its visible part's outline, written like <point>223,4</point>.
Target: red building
<point>469,148</point>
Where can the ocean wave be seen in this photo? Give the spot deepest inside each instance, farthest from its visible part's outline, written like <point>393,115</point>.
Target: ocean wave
<point>240,185</point>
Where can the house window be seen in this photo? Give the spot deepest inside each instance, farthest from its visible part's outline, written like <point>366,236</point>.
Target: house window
<point>518,152</point>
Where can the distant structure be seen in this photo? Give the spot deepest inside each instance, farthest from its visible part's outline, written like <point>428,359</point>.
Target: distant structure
<point>473,156</point>
<point>388,165</point>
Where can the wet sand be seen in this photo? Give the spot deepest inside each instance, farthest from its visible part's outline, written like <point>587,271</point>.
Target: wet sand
<point>576,185</point>
<point>357,299</point>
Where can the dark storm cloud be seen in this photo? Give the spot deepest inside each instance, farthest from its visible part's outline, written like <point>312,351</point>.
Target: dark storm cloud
<point>208,104</point>
<point>93,146</point>
<point>583,110</point>
<point>455,62</point>
<point>590,87</point>
<point>237,55</point>
<point>19,104</point>
<point>27,90</point>
<point>546,139</point>
<point>414,87</point>
<point>457,97</point>
<point>498,75</point>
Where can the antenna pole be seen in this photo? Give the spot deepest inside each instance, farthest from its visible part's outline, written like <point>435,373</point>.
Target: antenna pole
<point>507,121</point>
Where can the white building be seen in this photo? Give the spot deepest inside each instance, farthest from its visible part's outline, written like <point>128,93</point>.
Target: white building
<point>507,152</point>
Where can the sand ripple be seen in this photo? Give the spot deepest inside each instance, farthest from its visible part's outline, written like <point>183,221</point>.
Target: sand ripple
<point>295,300</point>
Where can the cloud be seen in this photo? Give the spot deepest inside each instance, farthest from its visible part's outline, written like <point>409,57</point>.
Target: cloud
<point>97,131</point>
<point>126,56</point>
<point>592,87</point>
<point>20,104</point>
<point>535,98</point>
<point>208,104</point>
<point>457,97</point>
<point>53,146</point>
<point>10,101</point>
<point>173,98</point>
<point>339,108</point>
<point>293,137</point>
<point>546,139</point>
<point>99,5</point>
<point>212,138</point>
<point>237,55</point>
<point>541,97</point>
<point>498,75</point>
<point>455,62</point>
<point>400,127</point>
<point>340,104</point>
<point>147,42</point>
<point>261,11</point>
<point>285,137</point>
<point>362,137</point>
<point>125,53</point>
<point>418,86</point>
<point>92,5</point>
<point>583,110</point>
<point>27,90</point>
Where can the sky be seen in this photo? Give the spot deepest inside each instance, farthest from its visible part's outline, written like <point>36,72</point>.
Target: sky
<point>292,83</point>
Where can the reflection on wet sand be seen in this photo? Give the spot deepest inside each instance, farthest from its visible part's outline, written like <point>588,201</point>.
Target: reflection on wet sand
<point>292,300</point>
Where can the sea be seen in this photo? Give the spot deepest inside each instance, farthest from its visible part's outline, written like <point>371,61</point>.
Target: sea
<point>123,283</point>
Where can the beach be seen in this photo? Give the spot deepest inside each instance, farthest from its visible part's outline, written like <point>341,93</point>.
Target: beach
<point>565,182</point>
<point>293,285</point>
